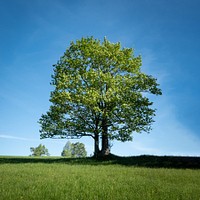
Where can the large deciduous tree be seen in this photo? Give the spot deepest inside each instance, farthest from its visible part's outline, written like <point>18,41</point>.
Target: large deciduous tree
<point>100,92</point>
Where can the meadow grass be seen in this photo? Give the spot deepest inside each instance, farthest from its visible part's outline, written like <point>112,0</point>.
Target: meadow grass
<point>94,181</point>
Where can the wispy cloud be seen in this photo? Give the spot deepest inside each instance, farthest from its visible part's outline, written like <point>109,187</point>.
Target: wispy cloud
<point>142,148</point>
<point>170,134</point>
<point>11,137</point>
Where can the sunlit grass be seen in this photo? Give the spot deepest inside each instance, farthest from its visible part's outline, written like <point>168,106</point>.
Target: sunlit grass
<point>86,181</point>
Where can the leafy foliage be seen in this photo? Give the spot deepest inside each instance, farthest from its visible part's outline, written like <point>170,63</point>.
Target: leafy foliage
<point>99,92</point>
<point>41,150</point>
<point>74,150</point>
<point>67,150</point>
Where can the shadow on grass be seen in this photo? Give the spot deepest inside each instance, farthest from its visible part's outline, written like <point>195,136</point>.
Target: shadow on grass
<point>137,161</point>
<point>160,162</point>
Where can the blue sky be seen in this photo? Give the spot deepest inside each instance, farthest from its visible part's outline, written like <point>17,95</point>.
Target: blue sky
<point>35,34</point>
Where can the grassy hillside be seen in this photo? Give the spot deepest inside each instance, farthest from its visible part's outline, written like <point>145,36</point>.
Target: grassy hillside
<point>139,161</point>
<point>89,179</point>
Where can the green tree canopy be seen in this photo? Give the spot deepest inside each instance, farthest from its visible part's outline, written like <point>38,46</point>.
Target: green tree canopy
<point>74,150</point>
<point>67,152</point>
<point>41,150</point>
<point>100,92</point>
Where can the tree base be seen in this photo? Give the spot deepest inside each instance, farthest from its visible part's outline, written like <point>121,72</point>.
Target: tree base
<point>101,156</point>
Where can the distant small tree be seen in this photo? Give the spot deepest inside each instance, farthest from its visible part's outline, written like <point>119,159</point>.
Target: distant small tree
<point>41,150</point>
<point>67,150</point>
<point>74,150</point>
<point>78,150</point>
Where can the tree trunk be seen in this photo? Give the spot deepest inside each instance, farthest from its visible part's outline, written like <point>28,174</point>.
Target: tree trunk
<point>105,144</point>
<point>105,151</point>
<point>96,145</point>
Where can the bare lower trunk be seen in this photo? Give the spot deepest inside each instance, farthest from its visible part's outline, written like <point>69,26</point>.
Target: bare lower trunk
<point>105,150</point>
<point>105,144</point>
<point>96,145</point>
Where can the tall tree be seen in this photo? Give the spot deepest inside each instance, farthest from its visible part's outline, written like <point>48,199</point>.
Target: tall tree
<point>100,92</point>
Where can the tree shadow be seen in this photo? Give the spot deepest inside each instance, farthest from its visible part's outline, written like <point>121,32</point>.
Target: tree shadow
<point>177,162</point>
<point>26,159</point>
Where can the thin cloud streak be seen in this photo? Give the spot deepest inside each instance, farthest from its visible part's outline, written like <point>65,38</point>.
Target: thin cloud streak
<point>16,138</point>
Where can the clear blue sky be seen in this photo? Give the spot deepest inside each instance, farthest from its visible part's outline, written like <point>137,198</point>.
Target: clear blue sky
<point>34,34</point>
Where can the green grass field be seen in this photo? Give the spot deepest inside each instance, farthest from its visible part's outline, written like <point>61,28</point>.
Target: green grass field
<point>87,179</point>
